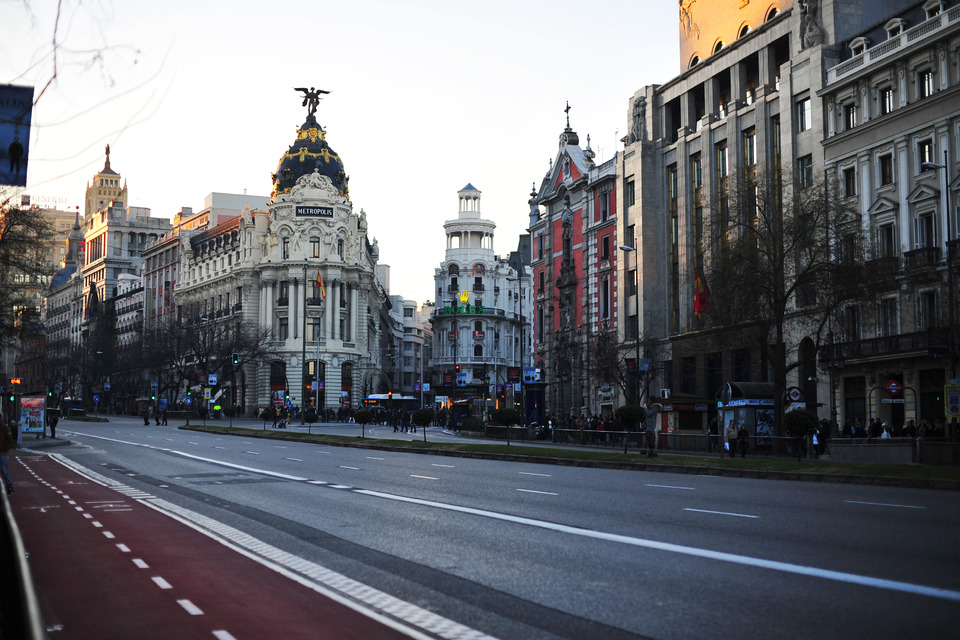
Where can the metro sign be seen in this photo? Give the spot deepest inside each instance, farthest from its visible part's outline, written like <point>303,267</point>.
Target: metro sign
<point>893,387</point>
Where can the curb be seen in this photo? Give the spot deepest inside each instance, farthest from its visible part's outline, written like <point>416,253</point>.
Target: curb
<point>760,474</point>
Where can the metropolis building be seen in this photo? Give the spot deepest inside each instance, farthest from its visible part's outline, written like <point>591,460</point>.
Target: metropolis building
<point>864,92</point>
<point>303,272</point>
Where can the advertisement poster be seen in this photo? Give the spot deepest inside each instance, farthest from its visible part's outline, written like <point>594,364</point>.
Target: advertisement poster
<point>32,414</point>
<point>16,107</point>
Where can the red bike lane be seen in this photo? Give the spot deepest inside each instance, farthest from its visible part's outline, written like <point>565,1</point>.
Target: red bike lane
<point>108,566</point>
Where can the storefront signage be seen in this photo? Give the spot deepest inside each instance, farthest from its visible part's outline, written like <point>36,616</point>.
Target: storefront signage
<point>466,308</point>
<point>314,212</point>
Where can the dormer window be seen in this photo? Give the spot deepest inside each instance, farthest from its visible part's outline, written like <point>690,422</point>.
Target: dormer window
<point>744,30</point>
<point>933,8</point>
<point>694,61</point>
<point>773,14</point>
<point>895,27</point>
<point>717,47</point>
<point>859,45</point>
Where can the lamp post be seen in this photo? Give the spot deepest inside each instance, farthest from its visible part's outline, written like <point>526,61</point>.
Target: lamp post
<point>628,249</point>
<point>523,348</point>
<point>951,344</point>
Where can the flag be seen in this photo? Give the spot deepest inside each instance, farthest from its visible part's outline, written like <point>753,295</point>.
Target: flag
<point>323,292</point>
<point>701,293</point>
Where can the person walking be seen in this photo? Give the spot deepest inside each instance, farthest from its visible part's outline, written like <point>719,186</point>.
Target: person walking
<point>651,425</point>
<point>6,444</point>
<point>743,440</point>
<point>730,435</point>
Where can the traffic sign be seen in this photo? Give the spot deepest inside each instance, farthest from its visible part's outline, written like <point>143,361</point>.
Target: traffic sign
<point>96,398</point>
<point>893,387</point>
<point>211,379</point>
<point>794,394</point>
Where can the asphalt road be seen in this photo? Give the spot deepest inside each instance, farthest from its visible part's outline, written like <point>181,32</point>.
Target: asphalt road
<point>517,550</point>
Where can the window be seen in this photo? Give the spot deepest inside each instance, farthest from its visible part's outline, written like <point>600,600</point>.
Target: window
<point>804,115</point>
<point>927,310</point>
<point>886,169</point>
<point>315,246</point>
<point>632,282</point>
<point>750,147</point>
<point>605,298</point>
<point>696,166</point>
<point>886,101</point>
<point>722,160</point>
<point>924,153</point>
<point>887,317</point>
<point>282,329</point>
<point>340,248</point>
<point>851,324</point>
<point>605,249</point>
<point>285,249</point>
<point>805,171</point>
<point>631,194</point>
<point>541,281</point>
<point>539,246</point>
<point>925,230</point>
<point>886,240</point>
<point>604,205</point>
<point>925,86</point>
<point>672,184</point>
<point>849,116</point>
<point>933,8</point>
<point>850,181</point>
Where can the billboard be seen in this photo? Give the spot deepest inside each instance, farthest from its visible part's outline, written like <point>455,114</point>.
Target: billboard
<point>32,414</point>
<point>16,107</point>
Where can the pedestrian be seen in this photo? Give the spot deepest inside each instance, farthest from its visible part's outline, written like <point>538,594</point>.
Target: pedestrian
<point>743,439</point>
<point>714,431</point>
<point>651,425</point>
<point>53,424</point>
<point>163,417</point>
<point>730,435</point>
<point>6,444</point>
<point>146,416</point>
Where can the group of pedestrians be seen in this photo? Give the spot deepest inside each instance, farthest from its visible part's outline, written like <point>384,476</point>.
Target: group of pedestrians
<point>737,438</point>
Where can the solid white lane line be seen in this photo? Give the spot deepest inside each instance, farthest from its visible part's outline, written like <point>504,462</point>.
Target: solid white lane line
<point>423,477</point>
<point>191,608</point>
<point>544,493</point>
<point>668,486</point>
<point>786,567</point>
<point>885,504</point>
<point>539,475</point>
<point>721,513</point>
<point>163,584</point>
<point>140,563</point>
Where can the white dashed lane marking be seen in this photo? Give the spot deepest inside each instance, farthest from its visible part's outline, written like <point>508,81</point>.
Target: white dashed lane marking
<point>539,475</point>
<point>163,584</point>
<point>543,493</point>
<point>668,486</point>
<point>721,513</point>
<point>140,563</point>
<point>884,504</point>
<point>191,608</point>
<point>424,477</point>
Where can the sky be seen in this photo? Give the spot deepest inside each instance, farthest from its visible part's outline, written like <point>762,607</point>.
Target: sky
<point>425,97</point>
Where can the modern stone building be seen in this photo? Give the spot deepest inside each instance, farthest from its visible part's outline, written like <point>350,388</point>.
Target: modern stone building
<point>862,90</point>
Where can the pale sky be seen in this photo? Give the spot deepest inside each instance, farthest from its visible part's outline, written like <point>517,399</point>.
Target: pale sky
<point>426,96</point>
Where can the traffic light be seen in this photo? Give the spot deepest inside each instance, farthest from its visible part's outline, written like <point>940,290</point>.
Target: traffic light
<point>236,359</point>
<point>456,368</point>
<point>389,395</point>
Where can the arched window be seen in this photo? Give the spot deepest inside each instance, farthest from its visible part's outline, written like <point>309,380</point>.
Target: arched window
<point>694,61</point>
<point>340,248</point>
<point>717,47</point>
<point>479,269</point>
<point>744,30</point>
<point>773,13</point>
<point>478,351</point>
<point>454,270</point>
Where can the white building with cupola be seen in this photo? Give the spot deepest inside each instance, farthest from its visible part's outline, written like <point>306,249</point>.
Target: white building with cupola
<point>478,325</point>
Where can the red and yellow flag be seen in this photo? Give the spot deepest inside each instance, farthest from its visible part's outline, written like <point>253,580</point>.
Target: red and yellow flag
<point>701,293</point>
<point>323,291</point>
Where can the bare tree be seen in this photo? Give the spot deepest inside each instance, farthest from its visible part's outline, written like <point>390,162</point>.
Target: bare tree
<point>24,268</point>
<point>789,255</point>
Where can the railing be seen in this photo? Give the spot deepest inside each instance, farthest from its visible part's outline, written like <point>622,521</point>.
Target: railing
<point>891,46</point>
<point>924,256</point>
<point>282,302</point>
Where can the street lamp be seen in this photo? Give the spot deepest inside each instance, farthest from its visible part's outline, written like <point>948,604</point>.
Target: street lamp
<point>523,348</point>
<point>945,167</point>
<point>628,249</point>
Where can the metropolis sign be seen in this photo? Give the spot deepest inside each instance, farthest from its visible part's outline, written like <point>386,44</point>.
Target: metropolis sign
<point>314,212</point>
